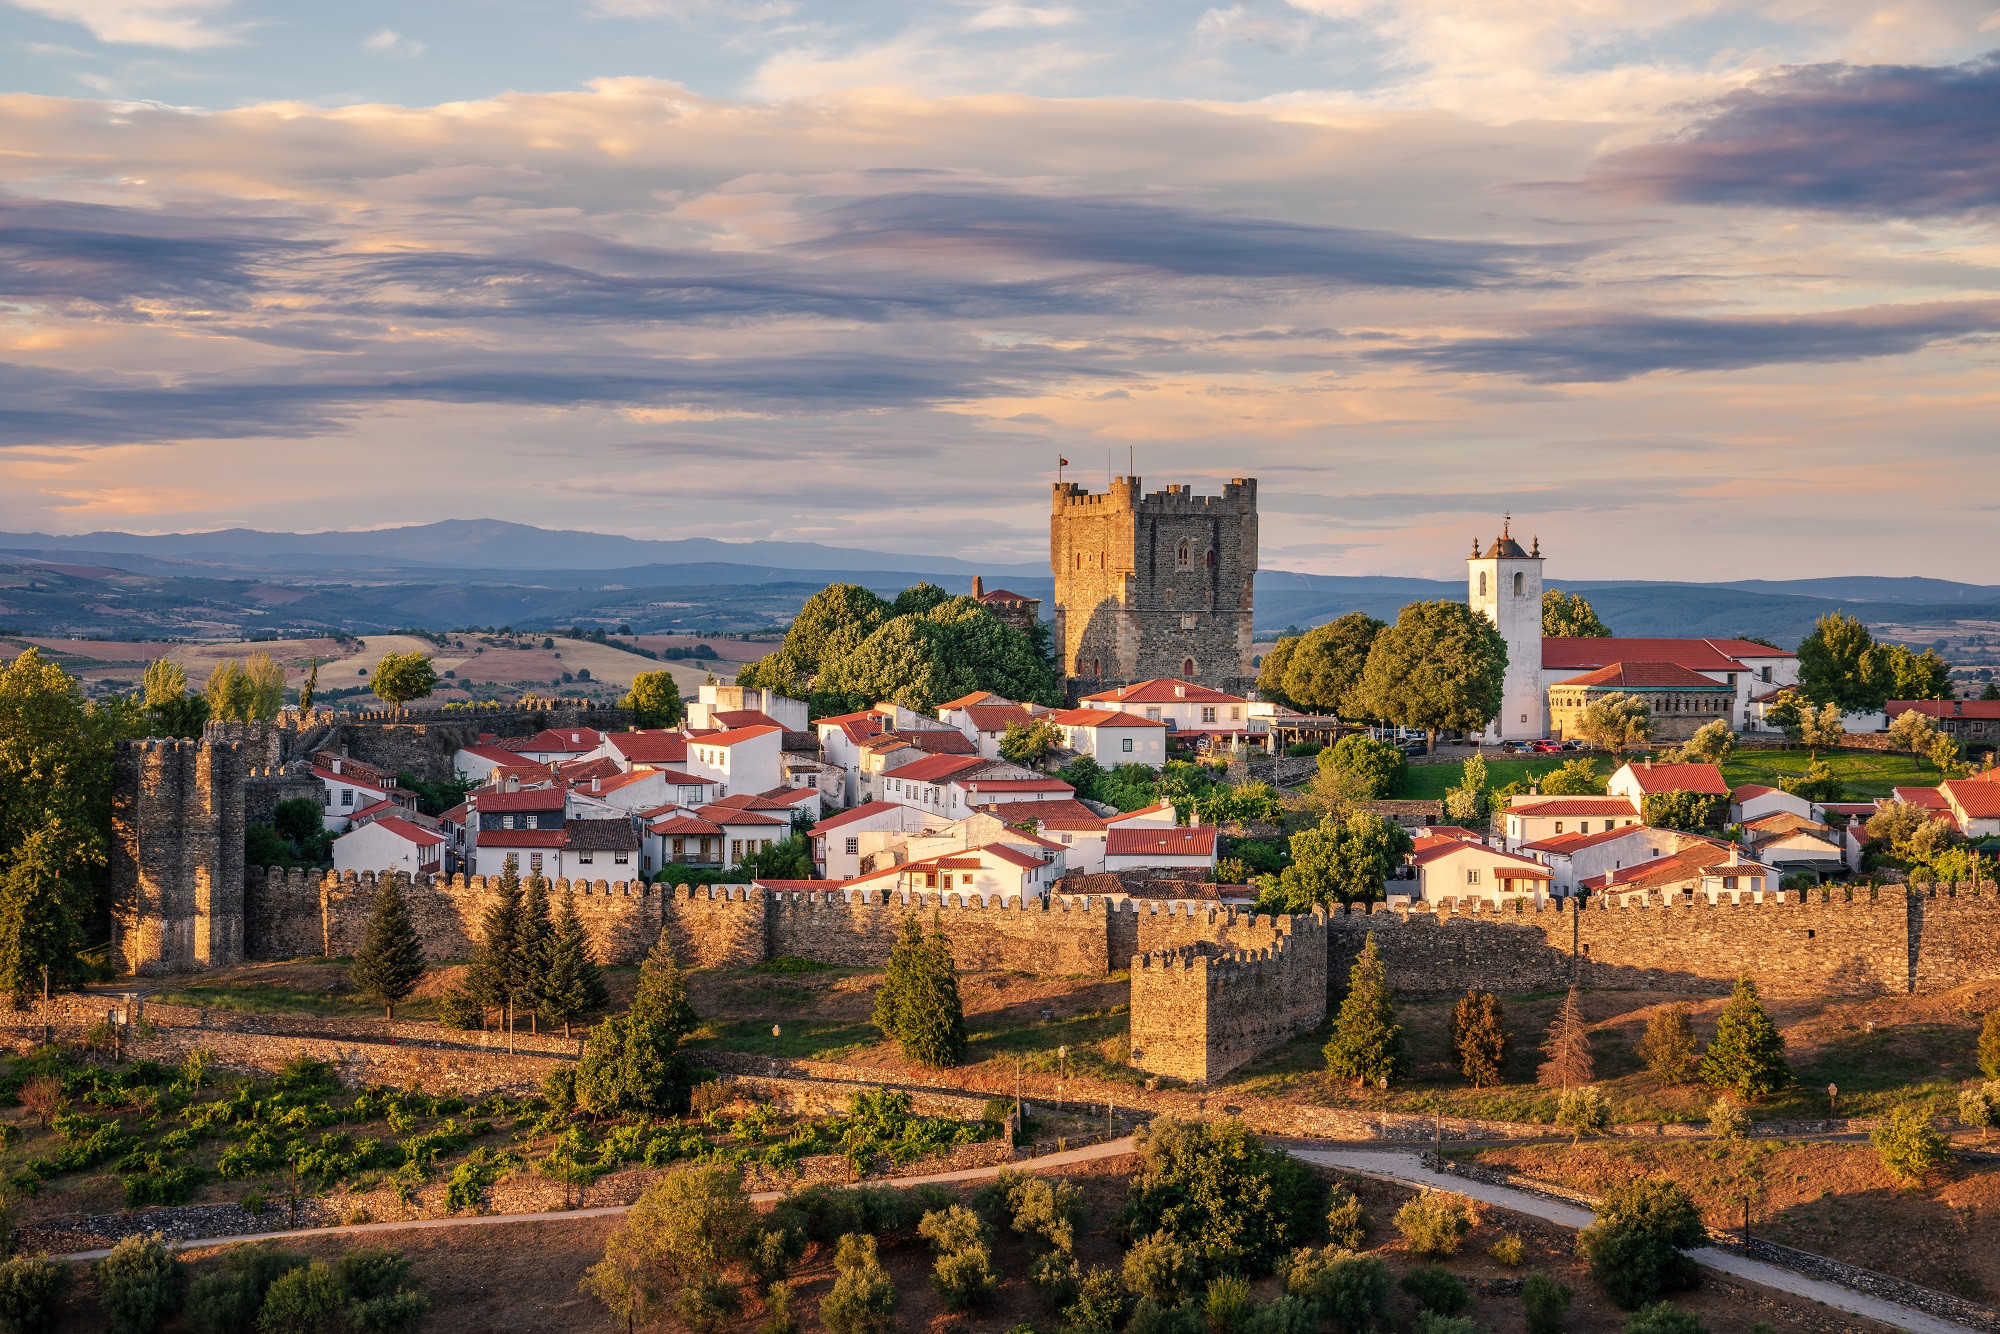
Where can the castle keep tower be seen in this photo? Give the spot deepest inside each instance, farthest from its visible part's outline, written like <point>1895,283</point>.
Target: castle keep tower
<point>1504,584</point>
<point>177,855</point>
<point>1154,585</point>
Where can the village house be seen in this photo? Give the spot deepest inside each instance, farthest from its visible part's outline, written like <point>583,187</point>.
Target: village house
<point>1575,858</point>
<point>1636,782</point>
<point>1113,736</point>
<point>1700,866</point>
<point>347,791</point>
<point>1679,700</point>
<point>1532,818</point>
<point>556,744</point>
<point>985,722</point>
<point>1150,847</point>
<point>1793,842</point>
<point>1080,830</point>
<point>1754,801</point>
<point>655,748</point>
<point>746,759</point>
<point>390,843</point>
<point>994,871</point>
<point>480,762</point>
<point>1185,708</point>
<point>722,708</point>
<point>1973,723</point>
<point>1457,868</point>
<point>836,840</point>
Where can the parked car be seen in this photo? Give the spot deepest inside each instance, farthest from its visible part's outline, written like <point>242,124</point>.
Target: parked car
<point>1546,747</point>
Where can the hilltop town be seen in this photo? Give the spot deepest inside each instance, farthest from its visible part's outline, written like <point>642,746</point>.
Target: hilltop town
<point>1039,876</point>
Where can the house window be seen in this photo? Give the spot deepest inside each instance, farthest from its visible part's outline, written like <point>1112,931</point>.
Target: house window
<point>1766,674</point>
<point>1152,715</point>
<point>347,796</point>
<point>535,862</point>
<point>735,850</point>
<point>506,822</point>
<point>930,880</point>
<point>1066,839</point>
<point>621,858</point>
<point>1729,882</point>
<point>1208,714</point>
<point>1472,875</point>
<point>1583,827</point>
<point>586,857</point>
<point>680,848</point>
<point>326,798</point>
<point>1187,667</point>
<point>853,847</point>
<point>1127,745</point>
<point>1559,826</point>
<point>1235,713</point>
<point>1482,583</point>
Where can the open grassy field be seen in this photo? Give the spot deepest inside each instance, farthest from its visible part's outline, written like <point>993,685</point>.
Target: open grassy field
<point>1864,774</point>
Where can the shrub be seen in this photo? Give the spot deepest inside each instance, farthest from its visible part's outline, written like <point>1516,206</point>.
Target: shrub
<point>1728,1120</point>
<point>1668,1048</point>
<point>1430,1322</point>
<point>1981,1107</point>
<point>458,1010</point>
<point>1637,1246</point>
<point>1909,1146</point>
<point>1055,1275</point>
<point>31,1292</point>
<point>1438,1289</point>
<point>1433,1224</point>
<point>1582,1111</point>
<point>1286,1315</point>
<point>1161,1268</point>
<point>1099,1305</point>
<point>862,1299</point>
<point>1216,1190</point>
<point>1149,1317</point>
<point>954,1229</point>
<point>138,1285</point>
<point>1346,1219</point>
<point>305,1301</point>
<point>228,1300</point>
<point>779,1317</point>
<point>1342,1286</point>
<point>1546,1302</point>
<point>1227,1303</point>
<point>391,1313</point>
<point>705,1303</point>
<point>1989,1044</point>
<point>1049,1212</point>
<point>1664,1318</point>
<point>1508,1249</point>
<point>559,1089</point>
<point>828,1212</point>
<point>964,1279</point>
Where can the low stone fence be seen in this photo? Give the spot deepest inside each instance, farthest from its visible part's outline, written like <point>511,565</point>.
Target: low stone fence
<point>1852,1277</point>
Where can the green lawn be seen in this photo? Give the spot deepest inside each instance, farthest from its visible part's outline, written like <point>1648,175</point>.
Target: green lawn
<point>1865,774</point>
<point>1429,782</point>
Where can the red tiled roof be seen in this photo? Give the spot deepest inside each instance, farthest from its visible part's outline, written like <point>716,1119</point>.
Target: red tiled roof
<point>941,741</point>
<point>496,754</point>
<point>1102,718</point>
<point>651,747</point>
<point>861,812</point>
<point>963,701</point>
<point>1564,844</point>
<point>383,806</point>
<point>521,838</point>
<point>745,718</point>
<point>457,814</point>
<point>1746,791</point>
<point>737,736</point>
<point>1002,595</point>
<point>680,826</point>
<point>734,815</point>
<point>416,834</point>
<point>787,797</point>
<point>554,739</point>
<point>1013,784</point>
<point>1067,814</point>
<point>884,743</point>
<point>1947,708</point>
<point>936,768</point>
<point>676,778</point>
<point>1198,841</point>
<point>1646,676</point>
<point>1457,831</point>
<point>346,780</point>
<point>1153,809</point>
<point>582,771</point>
<point>1163,690</point>
<point>1702,778</point>
<point>1572,806</point>
<point>1978,801</point>
<point>1785,822</point>
<point>1014,855</point>
<point>531,799</point>
<point>995,717</point>
<point>810,886</point>
<point>612,782</point>
<point>1929,798</point>
<point>1583,654</point>
<point>1508,864</point>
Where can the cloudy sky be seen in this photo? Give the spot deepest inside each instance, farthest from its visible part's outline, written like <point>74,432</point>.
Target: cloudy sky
<point>1696,289</point>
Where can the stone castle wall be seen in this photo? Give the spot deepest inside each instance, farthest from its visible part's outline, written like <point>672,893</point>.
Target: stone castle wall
<point>177,855</point>
<point>1200,1010</point>
<point>424,742</point>
<point>1127,609</point>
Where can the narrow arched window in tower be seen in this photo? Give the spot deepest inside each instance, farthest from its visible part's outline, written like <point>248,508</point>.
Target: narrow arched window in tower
<point>1183,555</point>
<point>1482,583</point>
<point>1187,668</point>
<point>1520,584</point>
<point>1097,666</point>
<point>1208,558</point>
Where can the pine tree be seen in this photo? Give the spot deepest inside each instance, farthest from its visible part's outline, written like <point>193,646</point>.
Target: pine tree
<point>1669,1046</point>
<point>490,979</point>
<point>1566,1060</point>
<point>918,1003</point>
<point>1479,1037</point>
<point>571,984</point>
<point>662,997</point>
<point>534,938</point>
<point>632,1062</point>
<point>391,961</point>
<point>899,980</point>
<point>1747,1054</point>
<point>1367,1042</point>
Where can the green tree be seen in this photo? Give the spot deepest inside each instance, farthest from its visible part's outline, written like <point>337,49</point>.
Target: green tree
<point>862,1299</point>
<point>1747,1053</point>
<point>1213,1188</point>
<point>1666,1318</point>
<point>632,1063</point>
<point>1638,1246</point>
<point>170,709</point>
<point>1817,783</point>
<point>1367,1042</point>
<point>1909,1145</point>
<point>1567,615</point>
<point>31,1293</point>
<point>654,699</point>
<point>1030,743</point>
<point>1680,810</point>
<point>1840,663</point>
<point>1441,665</point>
<point>496,962</point>
<point>685,1248</point>
<point>1576,778</point>
<point>55,819</point>
<point>1617,722</point>
<point>533,939</point>
<point>1669,1046</point>
<point>309,686</point>
<point>907,660</point>
<point>1712,743</point>
<point>138,1285</point>
<point>994,655</point>
<point>1466,803</point>
<point>1566,1059</point>
<point>571,985</point>
<point>391,961</point>
<point>1912,731</point>
<point>918,599</point>
<point>1991,692</point>
<point>1271,670</point>
<point>1479,1037</point>
<point>918,1003</point>
<point>1377,764</point>
<point>1918,675</point>
<point>1326,666</point>
<point>1339,861</point>
<point>848,613</point>
<point>402,677</point>
<point>1820,728</point>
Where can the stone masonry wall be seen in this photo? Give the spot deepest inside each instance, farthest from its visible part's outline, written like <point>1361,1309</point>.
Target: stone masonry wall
<point>177,855</point>
<point>1065,938</point>
<point>1200,1011</point>
<point>423,742</point>
<point>718,926</point>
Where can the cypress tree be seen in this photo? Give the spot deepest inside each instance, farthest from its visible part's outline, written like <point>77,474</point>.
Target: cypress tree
<point>531,953</point>
<point>391,961</point>
<point>1479,1037</point>
<point>933,1016</point>
<point>662,997</point>
<point>632,1062</point>
<point>1367,1042</point>
<point>892,998</point>
<point>1747,1054</point>
<point>1566,1059</point>
<point>571,984</point>
<point>491,977</point>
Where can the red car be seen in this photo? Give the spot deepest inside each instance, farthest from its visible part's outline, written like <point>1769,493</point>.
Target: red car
<point>1547,747</point>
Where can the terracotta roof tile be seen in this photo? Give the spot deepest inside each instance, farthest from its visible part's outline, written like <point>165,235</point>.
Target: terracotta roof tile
<point>1163,690</point>
<point>1702,778</point>
<point>1198,841</point>
<point>1647,676</point>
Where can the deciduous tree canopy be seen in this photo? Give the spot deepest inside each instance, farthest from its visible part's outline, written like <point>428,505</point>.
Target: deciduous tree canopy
<point>1568,615</point>
<point>1441,665</point>
<point>1840,663</point>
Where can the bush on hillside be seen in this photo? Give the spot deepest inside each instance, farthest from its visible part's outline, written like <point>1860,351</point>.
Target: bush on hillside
<point>1433,1224</point>
<point>1637,1247</point>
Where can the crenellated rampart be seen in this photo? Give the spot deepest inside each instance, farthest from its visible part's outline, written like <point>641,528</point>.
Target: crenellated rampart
<point>1202,1010</point>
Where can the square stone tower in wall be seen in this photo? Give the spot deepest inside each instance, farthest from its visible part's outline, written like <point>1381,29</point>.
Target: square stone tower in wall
<point>1154,585</point>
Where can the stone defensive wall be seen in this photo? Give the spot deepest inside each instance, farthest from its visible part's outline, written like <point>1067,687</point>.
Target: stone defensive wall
<point>424,742</point>
<point>1828,941</point>
<point>1201,1010</point>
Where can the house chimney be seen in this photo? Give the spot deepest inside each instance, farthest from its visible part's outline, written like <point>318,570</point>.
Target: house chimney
<point>1649,761</point>
<point>336,766</point>
<point>597,785</point>
<point>1957,707</point>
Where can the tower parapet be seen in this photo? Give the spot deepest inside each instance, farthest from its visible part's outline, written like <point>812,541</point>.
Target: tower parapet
<point>1154,585</point>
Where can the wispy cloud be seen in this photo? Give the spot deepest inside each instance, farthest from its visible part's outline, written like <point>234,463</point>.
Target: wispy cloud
<point>185,25</point>
<point>389,42</point>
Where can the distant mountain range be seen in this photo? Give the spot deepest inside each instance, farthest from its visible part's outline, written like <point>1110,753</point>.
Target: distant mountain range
<point>486,572</point>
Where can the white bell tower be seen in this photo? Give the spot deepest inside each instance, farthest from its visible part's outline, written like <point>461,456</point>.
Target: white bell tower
<point>1504,584</point>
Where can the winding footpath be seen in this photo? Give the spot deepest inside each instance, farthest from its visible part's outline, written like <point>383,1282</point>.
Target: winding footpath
<point>1398,1166</point>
